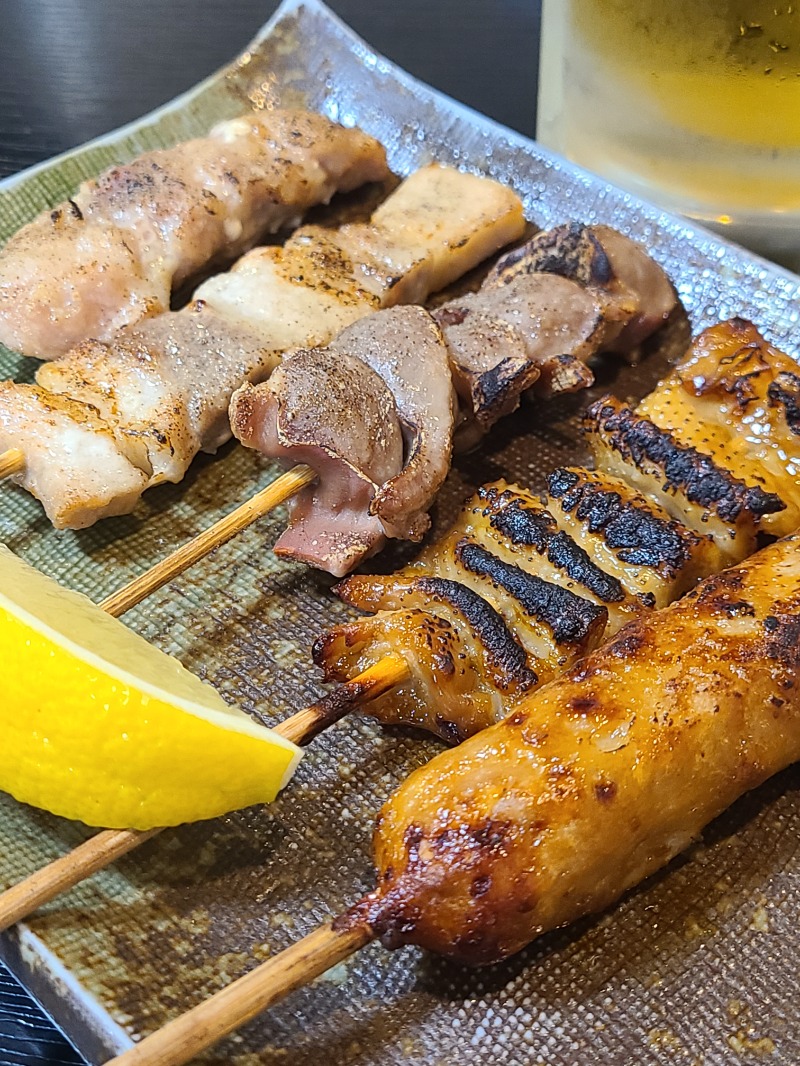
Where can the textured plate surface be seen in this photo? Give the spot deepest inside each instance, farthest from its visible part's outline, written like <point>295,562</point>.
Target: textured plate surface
<point>697,966</point>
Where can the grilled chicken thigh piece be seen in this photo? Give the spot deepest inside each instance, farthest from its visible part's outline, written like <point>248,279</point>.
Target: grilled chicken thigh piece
<point>597,780</point>
<point>58,433</point>
<point>164,385</point>
<point>736,398</point>
<point>114,253</point>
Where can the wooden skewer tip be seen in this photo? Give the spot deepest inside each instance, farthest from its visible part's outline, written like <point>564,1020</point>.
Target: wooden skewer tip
<point>11,462</point>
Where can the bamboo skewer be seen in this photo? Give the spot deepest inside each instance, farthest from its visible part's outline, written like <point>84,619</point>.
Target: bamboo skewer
<point>204,1025</point>
<point>11,462</point>
<point>282,489</point>
<point>99,851</point>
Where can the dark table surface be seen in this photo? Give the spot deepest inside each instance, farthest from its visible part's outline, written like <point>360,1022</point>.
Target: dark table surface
<point>73,69</point>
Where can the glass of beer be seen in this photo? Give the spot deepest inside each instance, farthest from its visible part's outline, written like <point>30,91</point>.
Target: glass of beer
<point>694,104</point>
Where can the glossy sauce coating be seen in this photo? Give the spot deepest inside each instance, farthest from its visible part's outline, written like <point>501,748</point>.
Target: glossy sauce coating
<point>600,778</point>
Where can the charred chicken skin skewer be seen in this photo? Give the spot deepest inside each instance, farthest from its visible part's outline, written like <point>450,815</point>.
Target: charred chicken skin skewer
<point>523,586</point>
<point>113,419</point>
<point>115,251</point>
<point>378,411</point>
<point>589,785</point>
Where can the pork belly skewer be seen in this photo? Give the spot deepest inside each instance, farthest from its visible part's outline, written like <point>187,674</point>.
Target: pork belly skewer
<point>113,419</point>
<point>116,251</point>
<point>589,786</point>
<point>513,595</point>
<point>541,313</point>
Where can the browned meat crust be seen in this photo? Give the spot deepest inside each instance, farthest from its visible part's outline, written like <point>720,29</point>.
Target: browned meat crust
<point>114,253</point>
<point>600,778</point>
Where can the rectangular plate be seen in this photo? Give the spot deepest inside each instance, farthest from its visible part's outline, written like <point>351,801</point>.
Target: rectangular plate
<point>692,967</point>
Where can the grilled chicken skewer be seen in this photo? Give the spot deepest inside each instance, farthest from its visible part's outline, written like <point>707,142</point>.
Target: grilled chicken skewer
<point>113,254</point>
<point>113,419</point>
<point>589,786</point>
<point>565,570</point>
<point>524,586</point>
<point>543,310</point>
<point>380,433</point>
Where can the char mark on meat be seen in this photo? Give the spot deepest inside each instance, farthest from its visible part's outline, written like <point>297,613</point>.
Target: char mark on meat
<point>637,536</point>
<point>640,441</point>
<point>536,528</point>
<point>571,251</point>
<point>784,391</point>
<point>571,618</point>
<point>501,646</point>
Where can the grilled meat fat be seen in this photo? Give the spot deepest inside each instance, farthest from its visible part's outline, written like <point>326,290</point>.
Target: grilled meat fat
<point>113,253</point>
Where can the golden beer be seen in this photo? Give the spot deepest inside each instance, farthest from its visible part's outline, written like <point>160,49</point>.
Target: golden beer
<point>693,104</point>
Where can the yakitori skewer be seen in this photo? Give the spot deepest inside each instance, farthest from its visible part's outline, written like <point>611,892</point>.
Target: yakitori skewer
<point>546,563</point>
<point>124,242</point>
<point>113,418</point>
<point>483,849</point>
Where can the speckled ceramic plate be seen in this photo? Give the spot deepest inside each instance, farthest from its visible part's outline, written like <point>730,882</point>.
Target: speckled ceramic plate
<point>697,966</point>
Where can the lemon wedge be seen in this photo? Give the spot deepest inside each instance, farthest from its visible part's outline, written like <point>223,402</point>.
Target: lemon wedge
<point>100,726</point>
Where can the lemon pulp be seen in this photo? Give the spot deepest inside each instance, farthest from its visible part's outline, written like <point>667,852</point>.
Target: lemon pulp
<point>100,726</point>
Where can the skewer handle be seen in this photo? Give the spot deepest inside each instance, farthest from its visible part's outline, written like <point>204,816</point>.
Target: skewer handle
<point>302,727</point>
<point>11,462</point>
<point>204,1025</point>
<point>67,871</point>
<point>282,489</point>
